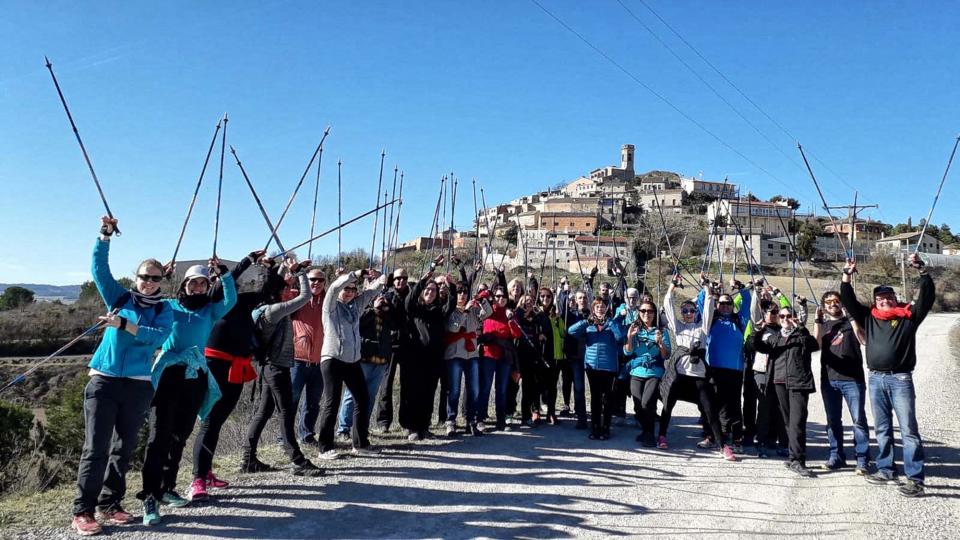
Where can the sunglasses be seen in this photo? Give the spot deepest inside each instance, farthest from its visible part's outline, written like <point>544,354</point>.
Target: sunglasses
<point>400,278</point>
<point>724,303</point>
<point>831,302</point>
<point>787,316</point>
<point>645,311</point>
<point>546,296</point>
<point>316,280</point>
<point>498,296</point>
<point>350,289</point>
<point>148,277</point>
<point>688,311</point>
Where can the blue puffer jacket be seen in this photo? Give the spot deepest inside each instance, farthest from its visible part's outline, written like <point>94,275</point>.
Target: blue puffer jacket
<point>121,354</point>
<point>602,344</point>
<point>646,360</point>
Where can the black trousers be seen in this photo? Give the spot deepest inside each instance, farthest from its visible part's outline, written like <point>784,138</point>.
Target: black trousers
<point>442,401</point>
<point>706,403</point>
<point>645,392</point>
<point>728,385</point>
<point>547,374</point>
<point>751,407</point>
<point>419,377</point>
<point>771,431</point>
<point>173,413</point>
<point>276,393</point>
<point>114,409</point>
<point>565,375</point>
<point>601,398</point>
<point>336,374</point>
<point>385,402</point>
<point>208,436</point>
<point>529,385</point>
<point>793,408</point>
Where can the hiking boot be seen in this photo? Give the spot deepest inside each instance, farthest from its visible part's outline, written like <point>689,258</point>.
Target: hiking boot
<point>801,469</point>
<point>253,465</point>
<point>727,453</point>
<point>475,430</point>
<point>662,443</point>
<point>862,469</point>
<point>214,482</point>
<point>881,477</point>
<point>834,464</point>
<point>707,443</point>
<point>306,468</point>
<point>911,488</point>
<point>198,490</point>
<point>565,412</point>
<point>366,451</point>
<point>115,516</point>
<point>329,455</point>
<point>85,525</point>
<point>151,511</point>
<point>451,429</point>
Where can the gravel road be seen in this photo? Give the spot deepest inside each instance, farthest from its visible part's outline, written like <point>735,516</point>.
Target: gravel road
<point>553,482</point>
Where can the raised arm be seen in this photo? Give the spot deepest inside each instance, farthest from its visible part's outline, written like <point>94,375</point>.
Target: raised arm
<point>413,296</point>
<point>371,291</point>
<point>668,310</point>
<point>708,311</point>
<point>108,287</point>
<point>925,299</point>
<point>274,312</point>
<point>229,300</point>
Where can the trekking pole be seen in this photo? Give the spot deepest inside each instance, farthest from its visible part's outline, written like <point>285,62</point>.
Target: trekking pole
<point>433,224</point>
<point>193,201</point>
<point>396,226</point>
<point>20,378</point>
<point>826,207</point>
<point>376,201</point>
<point>263,211</point>
<point>453,211</point>
<point>713,226</point>
<point>339,214</point>
<point>678,264</point>
<point>83,149</point>
<point>937,197</point>
<point>300,183</point>
<point>383,237</point>
<point>442,223</point>
<point>333,229</point>
<point>316,193</point>
<point>389,236</point>
<point>216,219</point>
<point>476,247</point>
<point>796,263</point>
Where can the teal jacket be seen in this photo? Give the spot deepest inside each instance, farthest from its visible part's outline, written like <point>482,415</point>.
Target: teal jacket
<point>602,344</point>
<point>121,354</point>
<point>645,360</point>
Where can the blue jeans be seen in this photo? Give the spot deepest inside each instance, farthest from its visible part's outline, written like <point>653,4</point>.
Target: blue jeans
<point>894,393</point>
<point>854,393</point>
<point>305,378</point>
<point>494,370</point>
<point>579,388</point>
<point>373,374</point>
<point>469,369</point>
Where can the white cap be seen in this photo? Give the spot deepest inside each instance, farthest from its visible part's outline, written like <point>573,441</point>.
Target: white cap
<point>196,271</point>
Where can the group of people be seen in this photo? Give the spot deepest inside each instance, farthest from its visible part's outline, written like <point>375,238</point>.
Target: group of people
<point>324,357</point>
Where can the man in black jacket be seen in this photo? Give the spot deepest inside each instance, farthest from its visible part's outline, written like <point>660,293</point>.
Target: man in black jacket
<point>891,329</point>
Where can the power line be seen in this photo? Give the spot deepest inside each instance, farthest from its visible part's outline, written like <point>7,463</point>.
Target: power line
<point>658,95</point>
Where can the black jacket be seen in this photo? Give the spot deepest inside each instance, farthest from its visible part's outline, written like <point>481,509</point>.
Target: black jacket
<point>426,323</point>
<point>376,341</point>
<point>891,345</point>
<point>794,352</point>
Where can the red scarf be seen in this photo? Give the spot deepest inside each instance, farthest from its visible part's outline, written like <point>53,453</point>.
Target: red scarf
<point>467,337</point>
<point>902,311</point>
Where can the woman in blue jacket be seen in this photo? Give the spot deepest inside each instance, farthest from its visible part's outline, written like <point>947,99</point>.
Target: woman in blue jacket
<point>602,339</point>
<point>184,387</point>
<point>648,348</point>
<point>119,391</point>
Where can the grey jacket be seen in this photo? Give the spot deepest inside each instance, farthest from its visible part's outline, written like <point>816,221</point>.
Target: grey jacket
<point>470,321</point>
<point>273,320</point>
<point>341,322</point>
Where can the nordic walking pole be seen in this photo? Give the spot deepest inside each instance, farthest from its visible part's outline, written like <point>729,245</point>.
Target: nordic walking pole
<point>193,201</point>
<point>316,194</point>
<point>836,229</point>
<point>383,237</point>
<point>339,213</point>
<point>216,219</point>
<point>256,198</point>
<point>796,263</point>
<point>296,189</point>
<point>376,200</point>
<point>83,149</point>
<point>443,222</point>
<point>433,224</point>
<point>453,210</point>
<point>476,246</point>
<point>389,237</point>
<point>677,264</point>
<point>937,197</point>
<point>20,378</point>
<point>396,226</point>
<point>332,230</point>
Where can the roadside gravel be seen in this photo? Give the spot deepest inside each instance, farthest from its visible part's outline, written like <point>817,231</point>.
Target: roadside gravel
<point>553,482</point>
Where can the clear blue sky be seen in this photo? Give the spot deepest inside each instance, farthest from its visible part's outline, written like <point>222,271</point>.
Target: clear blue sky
<point>499,91</point>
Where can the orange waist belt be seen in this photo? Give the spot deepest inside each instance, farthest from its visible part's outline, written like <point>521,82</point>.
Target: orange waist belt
<point>241,367</point>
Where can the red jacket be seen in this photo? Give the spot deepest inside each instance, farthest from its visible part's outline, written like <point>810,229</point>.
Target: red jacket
<point>496,326</point>
<point>307,328</point>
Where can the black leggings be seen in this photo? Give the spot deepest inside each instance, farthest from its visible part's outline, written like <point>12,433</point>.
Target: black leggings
<point>728,385</point>
<point>172,415</point>
<point>601,391</point>
<point>547,375</point>
<point>529,385</point>
<point>645,392</point>
<point>793,408</point>
<point>276,392</point>
<point>208,436</point>
<point>565,374</point>
<point>337,374</point>
<point>686,385</point>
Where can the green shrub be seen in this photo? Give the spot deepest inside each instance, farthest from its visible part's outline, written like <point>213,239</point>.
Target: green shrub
<point>15,424</point>
<point>64,425</point>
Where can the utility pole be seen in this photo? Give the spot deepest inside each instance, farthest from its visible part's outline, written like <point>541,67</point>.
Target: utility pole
<point>852,211</point>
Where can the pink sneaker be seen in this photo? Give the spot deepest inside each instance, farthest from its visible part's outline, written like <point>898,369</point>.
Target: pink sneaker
<point>214,482</point>
<point>727,453</point>
<point>85,525</point>
<point>198,490</point>
<point>662,443</point>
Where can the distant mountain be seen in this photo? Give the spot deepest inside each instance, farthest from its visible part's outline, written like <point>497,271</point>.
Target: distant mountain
<point>66,292</point>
